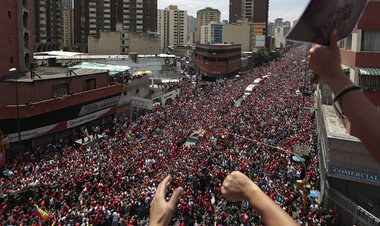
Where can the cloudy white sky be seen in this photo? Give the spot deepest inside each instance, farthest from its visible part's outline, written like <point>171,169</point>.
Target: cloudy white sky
<point>288,9</point>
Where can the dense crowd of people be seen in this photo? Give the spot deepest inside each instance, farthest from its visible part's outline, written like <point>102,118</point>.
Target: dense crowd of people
<point>113,180</point>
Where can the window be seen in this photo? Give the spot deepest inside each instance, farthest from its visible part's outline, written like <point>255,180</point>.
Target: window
<point>10,37</point>
<point>11,60</point>
<point>89,84</point>
<point>371,82</point>
<point>349,42</point>
<point>9,14</point>
<point>370,41</point>
<point>58,90</point>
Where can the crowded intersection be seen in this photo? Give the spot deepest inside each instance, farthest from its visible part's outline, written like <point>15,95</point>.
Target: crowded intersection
<point>112,180</point>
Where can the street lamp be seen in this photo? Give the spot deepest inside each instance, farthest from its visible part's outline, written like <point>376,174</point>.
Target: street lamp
<point>18,110</point>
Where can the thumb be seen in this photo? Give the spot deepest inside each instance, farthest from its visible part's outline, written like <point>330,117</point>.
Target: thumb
<point>333,39</point>
<point>176,196</point>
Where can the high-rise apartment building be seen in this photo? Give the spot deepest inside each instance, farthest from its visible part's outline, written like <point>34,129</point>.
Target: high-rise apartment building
<point>280,30</point>
<point>47,25</point>
<point>211,33</point>
<point>150,15</point>
<point>68,4</point>
<point>16,36</point>
<point>235,11</point>
<point>68,27</point>
<point>204,17</point>
<point>93,16</point>
<point>172,25</point>
<point>253,10</point>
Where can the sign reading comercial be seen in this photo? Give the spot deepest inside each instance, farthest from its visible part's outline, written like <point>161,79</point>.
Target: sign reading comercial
<point>355,174</point>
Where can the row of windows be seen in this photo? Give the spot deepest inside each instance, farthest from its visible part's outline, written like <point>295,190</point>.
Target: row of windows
<point>370,41</point>
<point>214,59</point>
<point>88,84</point>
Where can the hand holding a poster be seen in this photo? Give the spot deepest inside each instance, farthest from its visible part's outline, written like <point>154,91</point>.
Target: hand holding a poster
<point>363,115</point>
<point>322,16</point>
<point>326,62</point>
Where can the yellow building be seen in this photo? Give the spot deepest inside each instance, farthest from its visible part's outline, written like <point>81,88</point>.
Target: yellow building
<point>258,34</point>
<point>204,17</point>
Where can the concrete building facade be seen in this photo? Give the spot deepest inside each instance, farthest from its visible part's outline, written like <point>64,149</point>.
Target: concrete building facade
<point>280,30</point>
<point>68,27</point>
<point>218,60</point>
<point>47,25</point>
<point>253,10</point>
<point>146,43</point>
<point>172,26</point>
<point>16,36</point>
<point>204,17</point>
<point>212,33</point>
<point>245,37</point>
<point>204,34</point>
<point>107,43</point>
<point>93,16</point>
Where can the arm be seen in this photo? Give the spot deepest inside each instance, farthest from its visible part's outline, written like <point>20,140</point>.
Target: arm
<point>360,111</point>
<point>161,211</point>
<point>238,187</point>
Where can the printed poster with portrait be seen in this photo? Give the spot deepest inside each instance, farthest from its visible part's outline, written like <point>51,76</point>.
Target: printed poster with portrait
<point>322,16</point>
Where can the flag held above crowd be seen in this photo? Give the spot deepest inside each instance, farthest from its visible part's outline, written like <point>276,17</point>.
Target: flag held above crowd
<point>40,213</point>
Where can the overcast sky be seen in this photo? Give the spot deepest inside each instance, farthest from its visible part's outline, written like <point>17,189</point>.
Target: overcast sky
<point>288,9</point>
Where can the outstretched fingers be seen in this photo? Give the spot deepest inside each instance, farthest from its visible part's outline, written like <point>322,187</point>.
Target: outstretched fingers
<point>175,197</point>
<point>161,189</point>
<point>333,39</point>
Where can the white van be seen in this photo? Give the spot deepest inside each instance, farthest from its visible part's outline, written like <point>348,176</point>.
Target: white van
<point>258,81</point>
<point>267,75</point>
<point>249,89</point>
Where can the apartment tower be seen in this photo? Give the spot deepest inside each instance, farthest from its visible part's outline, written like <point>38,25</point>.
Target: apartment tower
<point>253,10</point>
<point>172,25</point>
<point>68,24</point>
<point>47,25</point>
<point>93,16</point>
<point>204,17</point>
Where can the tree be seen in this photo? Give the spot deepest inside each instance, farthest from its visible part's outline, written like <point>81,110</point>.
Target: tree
<point>262,57</point>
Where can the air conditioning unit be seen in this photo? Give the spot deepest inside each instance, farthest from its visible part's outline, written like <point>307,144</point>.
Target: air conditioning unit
<point>169,61</point>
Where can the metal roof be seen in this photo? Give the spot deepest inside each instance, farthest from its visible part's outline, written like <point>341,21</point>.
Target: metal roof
<point>113,69</point>
<point>369,71</point>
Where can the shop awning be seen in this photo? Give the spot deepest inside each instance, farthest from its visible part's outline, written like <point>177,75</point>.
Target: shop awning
<point>369,71</point>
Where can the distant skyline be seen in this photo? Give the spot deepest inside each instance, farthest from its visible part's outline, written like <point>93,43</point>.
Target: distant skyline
<point>289,10</point>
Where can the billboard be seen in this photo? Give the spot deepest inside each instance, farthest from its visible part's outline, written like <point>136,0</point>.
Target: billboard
<point>260,41</point>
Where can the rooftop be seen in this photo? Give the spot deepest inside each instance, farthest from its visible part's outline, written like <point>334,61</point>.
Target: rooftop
<point>83,57</point>
<point>47,73</point>
<point>334,126</point>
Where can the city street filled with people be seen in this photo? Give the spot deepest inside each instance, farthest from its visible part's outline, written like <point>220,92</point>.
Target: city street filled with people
<point>112,180</point>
